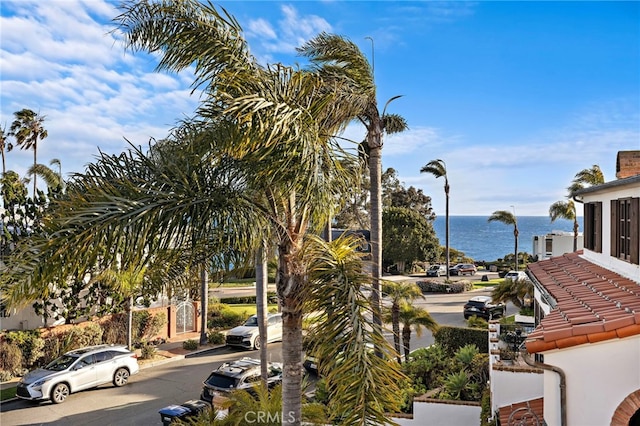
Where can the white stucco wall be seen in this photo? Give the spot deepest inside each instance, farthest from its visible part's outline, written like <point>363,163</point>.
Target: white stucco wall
<point>599,377</point>
<point>561,243</point>
<point>442,414</point>
<point>510,387</point>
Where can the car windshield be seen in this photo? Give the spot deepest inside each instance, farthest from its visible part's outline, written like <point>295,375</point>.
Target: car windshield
<point>61,363</point>
<point>221,381</point>
<point>477,303</point>
<point>252,322</point>
<point>435,268</point>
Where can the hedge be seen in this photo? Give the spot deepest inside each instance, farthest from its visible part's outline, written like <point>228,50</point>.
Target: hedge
<point>453,338</point>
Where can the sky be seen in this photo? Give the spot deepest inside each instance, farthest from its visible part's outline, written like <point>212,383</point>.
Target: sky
<point>515,97</point>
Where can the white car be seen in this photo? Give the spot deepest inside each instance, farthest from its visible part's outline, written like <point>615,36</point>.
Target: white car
<point>516,276</point>
<point>247,335</point>
<point>78,370</point>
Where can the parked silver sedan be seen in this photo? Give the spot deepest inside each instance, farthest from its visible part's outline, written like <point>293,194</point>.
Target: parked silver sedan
<point>78,370</point>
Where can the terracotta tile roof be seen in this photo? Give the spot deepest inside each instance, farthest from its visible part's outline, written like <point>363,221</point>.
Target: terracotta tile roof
<point>523,413</point>
<point>593,304</point>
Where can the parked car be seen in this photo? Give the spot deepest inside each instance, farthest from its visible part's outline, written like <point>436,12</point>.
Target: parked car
<point>483,307</point>
<point>516,276</point>
<point>463,269</point>
<point>78,370</point>
<point>247,335</point>
<point>437,271</point>
<point>241,374</point>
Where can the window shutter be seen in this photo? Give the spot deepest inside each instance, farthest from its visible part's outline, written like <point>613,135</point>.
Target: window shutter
<point>614,228</point>
<point>588,226</point>
<point>635,231</point>
<point>598,226</point>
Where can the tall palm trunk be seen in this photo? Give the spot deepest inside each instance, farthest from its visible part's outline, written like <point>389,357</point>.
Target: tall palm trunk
<point>204,304</point>
<point>406,340</point>
<point>446,193</point>
<point>374,140</point>
<point>35,162</point>
<point>575,233</point>
<point>395,322</point>
<point>290,282</point>
<point>515,252</point>
<point>261,307</point>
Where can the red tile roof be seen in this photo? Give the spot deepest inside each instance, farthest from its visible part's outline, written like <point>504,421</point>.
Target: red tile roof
<point>593,304</point>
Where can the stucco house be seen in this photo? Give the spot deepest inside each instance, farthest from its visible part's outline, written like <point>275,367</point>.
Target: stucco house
<point>584,353</point>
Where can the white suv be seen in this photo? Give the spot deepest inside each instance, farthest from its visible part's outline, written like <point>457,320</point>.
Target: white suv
<point>79,370</point>
<point>248,336</point>
<point>516,276</point>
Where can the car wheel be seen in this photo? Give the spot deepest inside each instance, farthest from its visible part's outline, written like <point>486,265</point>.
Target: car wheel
<point>59,393</point>
<point>256,343</point>
<point>121,377</point>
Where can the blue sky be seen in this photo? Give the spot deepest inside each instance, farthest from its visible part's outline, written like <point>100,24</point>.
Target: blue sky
<point>515,97</point>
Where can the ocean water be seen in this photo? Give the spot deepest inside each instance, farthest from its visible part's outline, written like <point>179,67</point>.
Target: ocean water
<point>483,240</point>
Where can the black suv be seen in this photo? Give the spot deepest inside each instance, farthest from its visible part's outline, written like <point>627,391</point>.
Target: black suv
<point>241,374</point>
<point>483,307</point>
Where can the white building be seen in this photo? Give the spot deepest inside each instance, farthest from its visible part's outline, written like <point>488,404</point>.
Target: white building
<point>586,344</point>
<point>555,243</point>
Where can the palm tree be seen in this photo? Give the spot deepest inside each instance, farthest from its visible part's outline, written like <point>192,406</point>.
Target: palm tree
<point>399,293</point>
<point>566,210</point>
<point>508,218</point>
<point>438,168</point>
<point>5,146</point>
<point>586,177</point>
<point>53,178</point>
<point>28,128</point>
<point>128,282</point>
<point>339,59</point>
<point>362,386</point>
<point>414,318</point>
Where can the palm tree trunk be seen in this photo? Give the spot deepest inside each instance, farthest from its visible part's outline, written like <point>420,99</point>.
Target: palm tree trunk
<point>35,149</point>
<point>204,304</point>
<point>575,233</point>
<point>261,307</point>
<point>375,167</point>
<point>446,191</point>
<point>406,340</point>
<point>290,282</point>
<point>515,234</point>
<point>291,360</point>
<point>395,321</point>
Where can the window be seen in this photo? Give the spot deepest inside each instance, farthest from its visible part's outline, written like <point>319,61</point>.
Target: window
<point>593,226</point>
<point>624,229</point>
<point>548,243</point>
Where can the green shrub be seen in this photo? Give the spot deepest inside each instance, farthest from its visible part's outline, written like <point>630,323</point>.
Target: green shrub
<point>428,286</point>
<point>226,318</point>
<point>215,337</point>
<point>453,338</point>
<point>272,297</point>
<point>115,330</point>
<point>145,326</point>
<point>30,343</point>
<point>11,359</point>
<point>147,351</point>
<point>477,322</point>
<point>190,345</point>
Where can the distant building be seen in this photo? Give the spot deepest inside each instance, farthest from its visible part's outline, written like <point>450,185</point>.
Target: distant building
<point>555,243</point>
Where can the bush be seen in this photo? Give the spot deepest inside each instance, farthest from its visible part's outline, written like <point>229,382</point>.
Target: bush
<point>115,330</point>
<point>30,343</point>
<point>428,286</point>
<point>477,322</point>
<point>215,337</point>
<point>10,359</point>
<point>272,297</point>
<point>453,338</point>
<point>147,351</point>
<point>190,345</point>
<point>226,318</point>
<point>145,326</point>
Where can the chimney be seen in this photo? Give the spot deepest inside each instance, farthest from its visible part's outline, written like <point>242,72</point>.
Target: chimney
<point>627,164</point>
